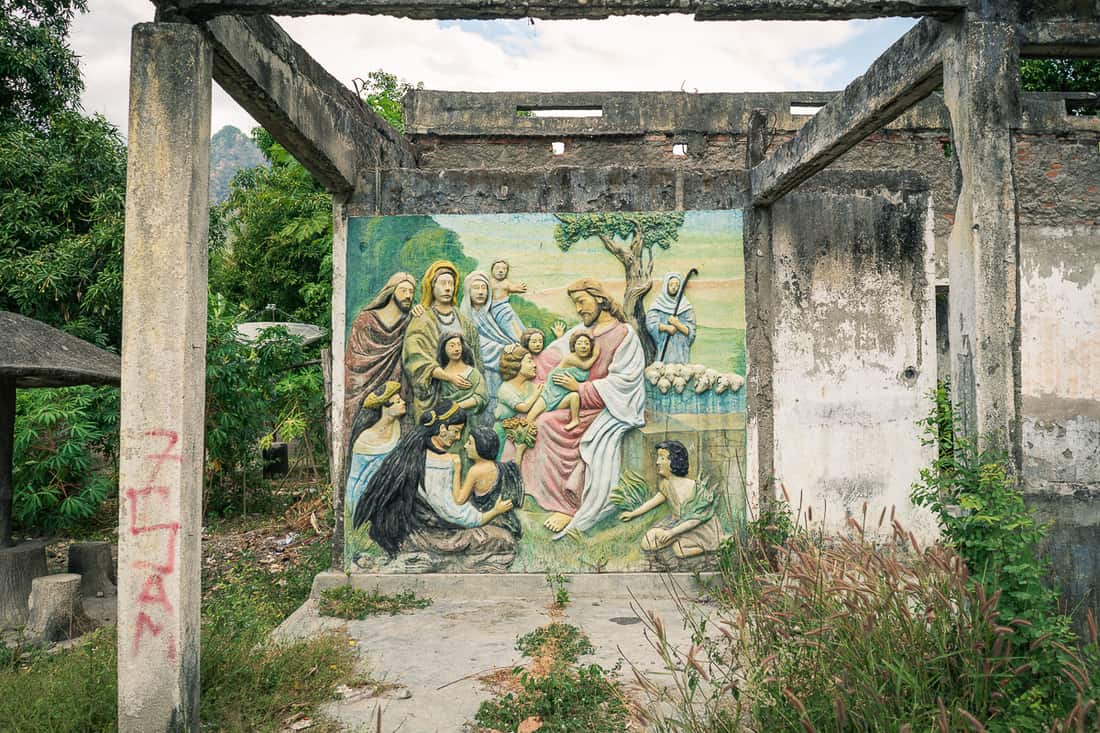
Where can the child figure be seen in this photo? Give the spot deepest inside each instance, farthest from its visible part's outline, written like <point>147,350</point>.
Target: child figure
<point>499,305</point>
<point>502,286</point>
<point>583,354</point>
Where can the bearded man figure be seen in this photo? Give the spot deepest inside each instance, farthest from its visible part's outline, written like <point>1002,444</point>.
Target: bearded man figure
<point>373,355</point>
<point>420,352</point>
<point>571,472</point>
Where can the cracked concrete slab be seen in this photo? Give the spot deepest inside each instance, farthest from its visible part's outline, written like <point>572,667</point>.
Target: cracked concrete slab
<point>437,655</point>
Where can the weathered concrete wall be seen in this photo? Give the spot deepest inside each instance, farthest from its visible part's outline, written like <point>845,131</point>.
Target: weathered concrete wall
<point>854,346</point>
<point>1060,385</point>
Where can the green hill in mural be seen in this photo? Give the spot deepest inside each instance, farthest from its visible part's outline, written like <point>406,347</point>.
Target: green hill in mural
<point>381,246</point>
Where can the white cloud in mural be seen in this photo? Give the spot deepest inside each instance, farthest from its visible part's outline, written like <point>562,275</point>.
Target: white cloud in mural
<point>664,53</point>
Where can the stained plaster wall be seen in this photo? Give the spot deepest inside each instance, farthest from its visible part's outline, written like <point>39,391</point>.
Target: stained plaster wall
<point>476,155</point>
<point>854,340</point>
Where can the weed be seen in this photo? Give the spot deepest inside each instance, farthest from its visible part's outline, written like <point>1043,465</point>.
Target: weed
<point>355,603</point>
<point>247,685</point>
<point>557,583</point>
<point>564,642</point>
<point>588,700</point>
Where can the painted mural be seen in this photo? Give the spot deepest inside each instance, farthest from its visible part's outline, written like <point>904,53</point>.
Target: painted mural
<point>543,393</point>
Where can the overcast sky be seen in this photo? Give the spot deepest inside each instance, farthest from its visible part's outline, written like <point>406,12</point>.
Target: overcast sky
<point>664,53</point>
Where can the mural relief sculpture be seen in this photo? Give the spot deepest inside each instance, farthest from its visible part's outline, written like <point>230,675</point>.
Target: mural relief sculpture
<point>671,322</point>
<point>422,340</point>
<point>557,424</point>
<point>693,528</point>
<point>373,355</point>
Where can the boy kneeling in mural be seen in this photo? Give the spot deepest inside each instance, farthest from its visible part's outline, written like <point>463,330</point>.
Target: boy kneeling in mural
<point>412,502</point>
<point>693,527</point>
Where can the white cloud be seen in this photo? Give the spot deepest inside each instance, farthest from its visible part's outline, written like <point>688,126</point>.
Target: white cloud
<point>664,53</point>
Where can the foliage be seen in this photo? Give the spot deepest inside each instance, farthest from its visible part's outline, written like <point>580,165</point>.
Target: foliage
<point>585,701</point>
<point>39,74</point>
<point>631,491</point>
<point>278,248</point>
<point>62,436</point>
<point>557,583</point>
<point>355,603</point>
<point>61,225</point>
<point>850,636</point>
<point>247,684</point>
<point>564,642</point>
<point>1062,75</point>
<point>984,517</point>
<point>764,539</point>
<point>73,691</point>
<point>251,389</point>
<point>384,92</point>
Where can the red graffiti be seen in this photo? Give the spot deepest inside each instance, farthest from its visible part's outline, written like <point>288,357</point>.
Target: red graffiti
<point>150,498</point>
<point>154,582</point>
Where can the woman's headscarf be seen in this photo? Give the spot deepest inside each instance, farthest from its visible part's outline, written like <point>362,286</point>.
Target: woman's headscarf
<point>666,303</point>
<point>427,294</point>
<point>492,337</point>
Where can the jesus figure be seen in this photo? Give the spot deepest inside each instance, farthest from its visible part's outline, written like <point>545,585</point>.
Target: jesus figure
<point>571,472</point>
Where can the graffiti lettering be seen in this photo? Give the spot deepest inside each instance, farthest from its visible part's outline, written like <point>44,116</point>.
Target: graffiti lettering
<point>145,504</point>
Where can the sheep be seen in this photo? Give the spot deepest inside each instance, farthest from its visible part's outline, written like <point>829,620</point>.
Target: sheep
<point>736,382</point>
<point>663,384</point>
<point>679,383</point>
<point>721,384</point>
<point>703,382</point>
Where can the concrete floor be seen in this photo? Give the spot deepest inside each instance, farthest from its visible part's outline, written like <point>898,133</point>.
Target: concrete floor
<point>434,656</point>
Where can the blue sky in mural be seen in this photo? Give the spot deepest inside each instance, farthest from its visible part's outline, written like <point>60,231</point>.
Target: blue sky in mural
<point>664,53</point>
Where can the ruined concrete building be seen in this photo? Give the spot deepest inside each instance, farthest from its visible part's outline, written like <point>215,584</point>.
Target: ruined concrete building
<point>929,221</point>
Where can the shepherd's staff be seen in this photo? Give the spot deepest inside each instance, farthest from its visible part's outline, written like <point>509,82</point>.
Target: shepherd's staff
<point>676,308</point>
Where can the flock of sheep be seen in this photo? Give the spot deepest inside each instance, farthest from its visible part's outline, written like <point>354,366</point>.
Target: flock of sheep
<point>677,377</point>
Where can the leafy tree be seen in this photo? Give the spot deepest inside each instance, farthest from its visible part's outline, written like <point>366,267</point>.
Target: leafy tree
<point>39,75</point>
<point>62,194</point>
<point>1062,75</point>
<point>278,248</point>
<point>383,92</point>
<point>631,239</point>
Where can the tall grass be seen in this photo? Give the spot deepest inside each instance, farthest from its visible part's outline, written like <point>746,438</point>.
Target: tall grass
<point>846,636</point>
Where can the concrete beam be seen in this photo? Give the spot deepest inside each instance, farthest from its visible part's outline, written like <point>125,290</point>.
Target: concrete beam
<point>495,191</point>
<point>316,118</point>
<point>903,75</point>
<point>1061,39</point>
<point>163,378</point>
<point>566,9</point>
<point>982,94</point>
<point>759,330</point>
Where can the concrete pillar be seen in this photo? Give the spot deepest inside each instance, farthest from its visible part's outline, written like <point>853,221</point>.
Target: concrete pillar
<point>981,91</point>
<point>338,429</point>
<point>759,327</point>
<point>163,379</point>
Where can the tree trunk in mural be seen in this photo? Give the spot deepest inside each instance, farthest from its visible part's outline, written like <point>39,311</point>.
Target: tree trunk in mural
<point>630,238</point>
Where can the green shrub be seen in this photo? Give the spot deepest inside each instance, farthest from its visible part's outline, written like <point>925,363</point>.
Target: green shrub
<point>355,603</point>
<point>564,642</point>
<point>585,701</point>
<point>66,445</point>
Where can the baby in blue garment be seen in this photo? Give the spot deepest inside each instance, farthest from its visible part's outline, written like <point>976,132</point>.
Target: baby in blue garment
<point>583,354</point>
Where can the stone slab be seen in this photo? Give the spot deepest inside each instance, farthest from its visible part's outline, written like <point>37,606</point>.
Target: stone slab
<point>457,586</point>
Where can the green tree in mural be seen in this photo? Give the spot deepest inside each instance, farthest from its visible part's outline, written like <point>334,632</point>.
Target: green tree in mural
<point>631,239</point>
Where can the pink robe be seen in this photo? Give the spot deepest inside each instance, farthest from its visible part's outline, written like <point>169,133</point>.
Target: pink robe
<point>553,472</point>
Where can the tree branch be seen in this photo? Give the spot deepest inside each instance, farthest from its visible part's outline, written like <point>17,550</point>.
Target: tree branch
<point>608,244</point>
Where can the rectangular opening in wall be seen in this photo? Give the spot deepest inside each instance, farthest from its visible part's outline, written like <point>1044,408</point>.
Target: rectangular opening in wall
<point>562,112</point>
<point>1074,78</point>
<point>800,108</point>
